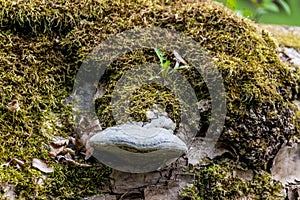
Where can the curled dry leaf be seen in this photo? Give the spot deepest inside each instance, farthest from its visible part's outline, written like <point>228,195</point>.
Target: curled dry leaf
<point>89,151</point>
<point>8,191</point>
<point>69,151</point>
<point>286,165</point>
<point>205,148</point>
<point>55,151</point>
<point>63,151</point>
<point>40,180</point>
<point>100,91</point>
<point>59,145</point>
<point>58,142</point>
<point>88,127</point>
<point>13,106</point>
<point>17,162</point>
<point>42,166</point>
<point>179,58</point>
<point>68,160</point>
<point>293,191</point>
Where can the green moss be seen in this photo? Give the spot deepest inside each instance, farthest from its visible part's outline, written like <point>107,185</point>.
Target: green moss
<point>289,40</point>
<point>74,182</point>
<point>286,36</point>
<point>143,98</point>
<point>43,44</point>
<point>219,180</point>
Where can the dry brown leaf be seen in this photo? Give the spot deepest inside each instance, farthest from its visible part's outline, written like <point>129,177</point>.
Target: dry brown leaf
<point>68,160</point>
<point>60,150</point>
<point>9,191</point>
<point>72,140</point>
<point>13,106</point>
<point>89,151</point>
<point>40,180</point>
<point>60,142</point>
<point>88,125</point>
<point>100,91</point>
<point>42,166</point>
<point>55,151</point>
<point>202,148</point>
<point>286,165</point>
<point>17,162</point>
<point>73,162</point>
<point>69,150</point>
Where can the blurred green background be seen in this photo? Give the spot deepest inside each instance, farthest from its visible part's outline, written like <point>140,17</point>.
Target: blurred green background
<point>267,11</point>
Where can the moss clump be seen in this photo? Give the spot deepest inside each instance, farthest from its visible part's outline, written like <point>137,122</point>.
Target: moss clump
<point>142,98</point>
<point>75,182</point>
<point>42,45</point>
<point>219,180</point>
<point>259,86</point>
<point>286,36</point>
<point>289,40</point>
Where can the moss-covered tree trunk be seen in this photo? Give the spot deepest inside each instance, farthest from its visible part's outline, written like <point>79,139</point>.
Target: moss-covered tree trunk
<point>43,44</point>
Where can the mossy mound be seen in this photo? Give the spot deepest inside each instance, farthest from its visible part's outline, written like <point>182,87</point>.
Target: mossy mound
<point>42,45</point>
<point>227,180</point>
<point>286,35</point>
